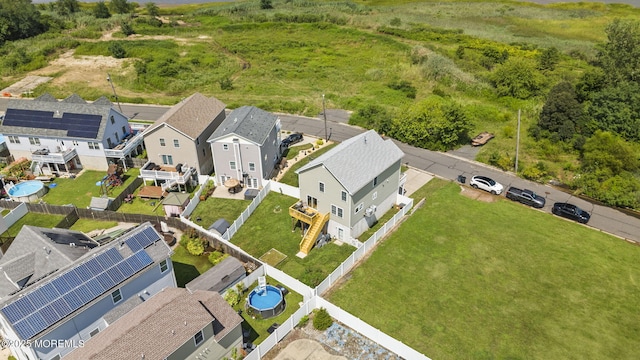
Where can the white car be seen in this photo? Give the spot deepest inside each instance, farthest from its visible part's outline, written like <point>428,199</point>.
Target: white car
<point>486,184</point>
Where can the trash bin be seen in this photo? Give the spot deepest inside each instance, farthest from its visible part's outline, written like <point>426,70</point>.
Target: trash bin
<point>462,179</point>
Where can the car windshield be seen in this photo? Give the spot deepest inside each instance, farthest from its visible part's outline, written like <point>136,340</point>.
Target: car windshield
<point>491,182</point>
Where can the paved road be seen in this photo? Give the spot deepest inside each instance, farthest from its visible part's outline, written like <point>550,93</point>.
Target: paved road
<point>444,165</point>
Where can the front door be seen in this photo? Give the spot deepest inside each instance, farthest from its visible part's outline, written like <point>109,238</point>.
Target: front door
<point>312,202</point>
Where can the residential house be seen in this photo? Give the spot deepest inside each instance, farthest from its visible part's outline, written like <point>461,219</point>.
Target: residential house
<point>177,142</point>
<point>173,324</point>
<point>67,135</point>
<point>246,146</point>
<point>356,182</point>
<point>58,288</point>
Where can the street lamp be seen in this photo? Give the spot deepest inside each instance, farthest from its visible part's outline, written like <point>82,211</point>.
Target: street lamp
<point>324,113</point>
<point>114,91</point>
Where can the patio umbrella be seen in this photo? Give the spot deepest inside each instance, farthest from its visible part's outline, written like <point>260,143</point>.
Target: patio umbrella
<point>231,183</point>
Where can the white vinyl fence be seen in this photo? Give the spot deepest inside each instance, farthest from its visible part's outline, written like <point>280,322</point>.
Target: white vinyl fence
<point>13,216</point>
<point>195,200</point>
<point>246,213</point>
<point>285,189</point>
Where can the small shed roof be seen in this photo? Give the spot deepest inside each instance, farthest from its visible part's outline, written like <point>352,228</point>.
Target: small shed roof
<point>220,277</point>
<point>99,203</point>
<point>221,225</point>
<point>176,199</point>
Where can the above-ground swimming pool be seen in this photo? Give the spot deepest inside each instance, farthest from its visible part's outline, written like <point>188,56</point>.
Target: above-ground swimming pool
<point>26,191</point>
<point>267,301</point>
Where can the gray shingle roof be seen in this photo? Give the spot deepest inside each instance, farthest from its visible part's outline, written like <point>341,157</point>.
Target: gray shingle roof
<point>176,199</point>
<point>192,115</point>
<point>160,325</point>
<point>356,161</point>
<point>248,122</point>
<point>219,277</point>
<point>73,104</point>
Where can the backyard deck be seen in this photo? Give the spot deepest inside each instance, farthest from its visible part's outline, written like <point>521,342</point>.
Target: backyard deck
<point>152,192</point>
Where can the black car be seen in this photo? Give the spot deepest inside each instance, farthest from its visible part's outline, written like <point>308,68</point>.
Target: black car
<point>292,139</point>
<point>571,211</point>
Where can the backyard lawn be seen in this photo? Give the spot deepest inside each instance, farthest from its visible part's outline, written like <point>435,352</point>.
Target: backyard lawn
<point>290,177</point>
<point>463,279</point>
<point>213,209</point>
<point>80,190</point>
<point>88,225</point>
<point>270,227</point>
<point>142,206</point>
<point>34,219</point>
<point>186,266</point>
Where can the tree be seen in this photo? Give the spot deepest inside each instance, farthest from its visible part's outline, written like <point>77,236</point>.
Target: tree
<point>517,78</point>
<point>121,6</point>
<point>19,19</point>
<point>152,9</point>
<point>372,116</point>
<point>616,109</point>
<point>126,28</point>
<point>101,11</point>
<point>117,50</point>
<point>321,319</point>
<point>266,4</point>
<point>562,113</point>
<point>607,153</point>
<point>66,7</point>
<point>548,59</point>
<point>619,57</point>
<point>195,247</point>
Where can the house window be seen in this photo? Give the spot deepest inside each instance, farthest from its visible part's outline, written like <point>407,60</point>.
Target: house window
<point>116,296</point>
<point>75,143</point>
<point>359,207</point>
<point>94,332</point>
<point>225,147</point>
<point>162,142</point>
<point>321,186</point>
<point>374,196</point>
<point>113,121</point>
<point>232,165</point>
<point>199,338</point>
<point>124,131</point>
<point>14,139</point>
<point>94,145</point>
<point>252,166</point>
<point>34,141</point>
<point>198,141</point>
<point>164,266</point>
<point>167,159</point>
<point>375,181</point>
<point>176,143</point>
<point>117,137</point>
<point>109,143</point>
<point>336,211</point>
<point>343,195</point>
<point>203,152</point>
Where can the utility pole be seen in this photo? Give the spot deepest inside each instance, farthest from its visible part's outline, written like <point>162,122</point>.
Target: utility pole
<point>517,141</point>
<point>324,112</point>
<point>114,91</point>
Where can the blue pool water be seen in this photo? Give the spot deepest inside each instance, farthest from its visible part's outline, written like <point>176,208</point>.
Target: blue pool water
<point>268,299</point>
<point>26,188</point>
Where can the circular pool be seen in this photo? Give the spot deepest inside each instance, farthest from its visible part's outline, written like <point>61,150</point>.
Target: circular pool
<point>27,191</point>
<point>267,301</point>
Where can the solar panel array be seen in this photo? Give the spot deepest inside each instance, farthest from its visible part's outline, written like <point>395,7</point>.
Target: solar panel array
<point>76,125</point>
<point>43,307</point>
<point>142,239</point>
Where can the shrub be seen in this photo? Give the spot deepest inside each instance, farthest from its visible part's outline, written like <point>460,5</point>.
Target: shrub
<point>404,87</point>
<point>419,55</point>
<point>395,21</point>
<point>303,321</point>
<point>320,142</point>
<point>215,257</point>
<point>233,297</point>
<point>195,247</point>
<point>226,84</point>
<point>321,319</point>
<point>117,50</point>
<point>126,28</point>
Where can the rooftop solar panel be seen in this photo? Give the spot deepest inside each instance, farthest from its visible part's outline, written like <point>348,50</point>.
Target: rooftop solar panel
<point>25,330</point>
<point>49,314</point>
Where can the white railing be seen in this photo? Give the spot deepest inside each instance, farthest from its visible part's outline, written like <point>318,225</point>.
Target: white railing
<point>246,213</point>
<point>285,189</point>
<point>167,175</point>
<point>195,200</point>
<point>56,158</point>
<point>125,148</point>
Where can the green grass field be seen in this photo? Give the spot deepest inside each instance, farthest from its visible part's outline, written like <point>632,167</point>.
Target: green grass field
<point>463,279</point>
<point>33,219</point>
<point>213,209</point>
<point>290,177</point>
<point>186,266</point>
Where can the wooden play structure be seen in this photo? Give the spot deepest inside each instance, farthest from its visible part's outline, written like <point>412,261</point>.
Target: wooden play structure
<point>112,179</point>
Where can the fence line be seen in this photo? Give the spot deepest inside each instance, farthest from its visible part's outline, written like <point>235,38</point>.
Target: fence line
<point>195,199</point>
<point>285,189</point>
<point>14,215</point>
<point>246,213</point>
<point>289,281</point>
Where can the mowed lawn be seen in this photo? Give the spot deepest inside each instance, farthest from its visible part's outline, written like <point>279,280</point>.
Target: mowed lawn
<point>463,279</point>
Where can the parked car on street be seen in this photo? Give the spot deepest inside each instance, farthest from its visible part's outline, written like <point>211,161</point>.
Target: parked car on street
<point>571,211</point>
<point>526,197</point>
<point>292,139</point>
<point>486,184</point>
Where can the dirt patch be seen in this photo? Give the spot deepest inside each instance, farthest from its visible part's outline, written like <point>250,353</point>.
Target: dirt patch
<point>477,194</point>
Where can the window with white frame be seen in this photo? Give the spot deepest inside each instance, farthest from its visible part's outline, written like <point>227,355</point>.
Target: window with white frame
<point>374,195</point>
<point>375,181</point>
<point>176,143</point>
<point>343,195</point>
<point>116,296</point>
<point>167,159</point>
<point>34,141</point>
<point>252,166</point>
<point>75,143</point>
<point>164,266</point>
<point>14,139</point>
<point>113,120</point>
<point>162,143</point>
<point>359,207</point>
<point>225,147</point>
<point>198,338</point>
<point>94,145</point>
<point>124,131</point>
<point>335,210</point>
<point>94,332</point>
<point>232,165</point>
<point>321,186</point>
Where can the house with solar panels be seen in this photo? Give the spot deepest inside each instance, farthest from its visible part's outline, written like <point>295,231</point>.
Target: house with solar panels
<point>174,324</point>
<point>68,135</point>
<point>246,146</point>
<point>176,143</point>
<point>58,288</point>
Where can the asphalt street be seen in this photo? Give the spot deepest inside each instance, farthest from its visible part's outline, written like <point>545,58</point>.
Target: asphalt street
<point>446,166</point>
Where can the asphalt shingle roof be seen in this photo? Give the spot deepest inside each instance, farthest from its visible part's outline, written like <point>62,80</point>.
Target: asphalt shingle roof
<point>248,122</point>
<point>192,115</point>
<point>160,325</point>
<point>356,161</point>
<point>219,277</point>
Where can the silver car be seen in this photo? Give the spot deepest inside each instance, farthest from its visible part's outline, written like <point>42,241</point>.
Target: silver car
<point>486,184</point>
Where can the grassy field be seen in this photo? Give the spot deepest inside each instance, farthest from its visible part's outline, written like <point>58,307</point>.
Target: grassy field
<point>213,209</point>
<point>88,225</point>
<point>501,281</point>
<point>188,267</point>
<point>290,177</point>
<point>270,227</point>
<point>33,219</point>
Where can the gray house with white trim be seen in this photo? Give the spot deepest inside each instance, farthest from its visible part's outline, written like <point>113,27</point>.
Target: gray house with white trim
<point>357,182</point>
<point>246,146</point>
<point>58,288</point>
